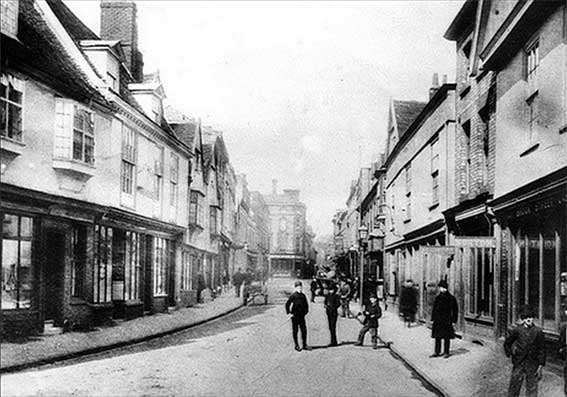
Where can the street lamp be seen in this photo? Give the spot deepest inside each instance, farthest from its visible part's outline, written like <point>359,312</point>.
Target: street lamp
<point>362,236</point>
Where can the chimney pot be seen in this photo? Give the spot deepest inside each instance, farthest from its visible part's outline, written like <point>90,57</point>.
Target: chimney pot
<point>274,186</point>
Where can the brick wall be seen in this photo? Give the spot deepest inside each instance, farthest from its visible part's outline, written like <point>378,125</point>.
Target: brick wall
<point>118,22</point>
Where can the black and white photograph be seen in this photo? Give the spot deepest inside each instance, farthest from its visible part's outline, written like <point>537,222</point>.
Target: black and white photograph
<point>283,198</point>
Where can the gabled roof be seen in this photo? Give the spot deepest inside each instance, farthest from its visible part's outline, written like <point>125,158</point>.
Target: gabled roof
<point>45,56</point>
<point>405,113</point>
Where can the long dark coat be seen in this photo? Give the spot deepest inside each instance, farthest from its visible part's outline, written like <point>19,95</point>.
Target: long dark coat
<point>445,313</point>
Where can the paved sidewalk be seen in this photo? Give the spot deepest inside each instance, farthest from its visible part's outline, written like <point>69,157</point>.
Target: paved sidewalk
<point>44,349</point>
<point>472,369</point>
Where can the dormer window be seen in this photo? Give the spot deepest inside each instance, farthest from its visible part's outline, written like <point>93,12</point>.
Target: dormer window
<point>105,56</point>
<point>9,17</point>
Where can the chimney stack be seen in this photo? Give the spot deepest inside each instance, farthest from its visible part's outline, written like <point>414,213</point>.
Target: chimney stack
<point>274,186</point>
<point>118,21</point>
<point>434,86</point>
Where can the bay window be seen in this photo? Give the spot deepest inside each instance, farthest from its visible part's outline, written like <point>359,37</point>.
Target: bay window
<point>74,132</point>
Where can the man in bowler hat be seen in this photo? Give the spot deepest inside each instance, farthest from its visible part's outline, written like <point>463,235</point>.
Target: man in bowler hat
<point>526,345</point>
<point>298,307</point>
<point>445,314</point>
<point>332,304</point>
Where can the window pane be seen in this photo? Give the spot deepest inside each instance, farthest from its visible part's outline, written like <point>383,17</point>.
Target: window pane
<point>89,150</point>
<point>15,122</point>
<point>533,273</point>
<point>9,274</point>
<point>14,95</point>
<point>25,274</point>
<point>77,145</point>
<point>10,226</point>
<point>3,91</point>
<point>26,227</point>
<point>3,118</point>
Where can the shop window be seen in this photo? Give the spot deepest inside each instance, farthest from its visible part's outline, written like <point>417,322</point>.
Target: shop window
<point>161,261</point>
<point>186,271</point>
<point>127,266</point>
<point>79,243</point>
<point>11,107</point>
<point>17,277</point>
<point>536,275</point>
<point>102,269</point>
<point>480,294</point>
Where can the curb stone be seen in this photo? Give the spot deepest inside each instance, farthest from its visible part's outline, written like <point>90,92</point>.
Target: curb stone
<point>116,345</point>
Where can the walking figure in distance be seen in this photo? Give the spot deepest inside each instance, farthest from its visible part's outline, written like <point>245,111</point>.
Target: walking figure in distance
<point>298,307</point>
<point>525,343</point>
<point>313,289</point>
<point>372,313</point>
<point>332,304</point>
<point>445,313</point>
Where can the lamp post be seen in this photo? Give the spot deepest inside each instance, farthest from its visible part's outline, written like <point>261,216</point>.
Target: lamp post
<point>362,236</point>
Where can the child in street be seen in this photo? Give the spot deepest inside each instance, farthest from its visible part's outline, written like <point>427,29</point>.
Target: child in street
<point>526,345</point>
<point>371,313</point>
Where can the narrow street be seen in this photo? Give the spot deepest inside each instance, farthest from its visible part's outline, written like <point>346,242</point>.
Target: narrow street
<point>249,352</point>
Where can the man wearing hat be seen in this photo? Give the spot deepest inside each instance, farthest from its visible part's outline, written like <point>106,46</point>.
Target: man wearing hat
<point>526,345</point>
<point>298,307</point>
<point>332,304</point>
<point>372,313</point>
<point>445,313</point>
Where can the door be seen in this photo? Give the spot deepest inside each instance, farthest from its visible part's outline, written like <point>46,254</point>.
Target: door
<point>53,273</point>
<point>436,266</point>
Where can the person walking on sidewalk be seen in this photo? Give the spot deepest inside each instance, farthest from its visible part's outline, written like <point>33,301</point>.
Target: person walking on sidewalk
<point>525,343</point>
<point>298,307</point>
<point>237,279</point>
<point>408,302</point>
<point>313,287</point>
<point>344,293</point>
<point>372,313</point>
<point>445,313</point>
<point>332,304</point>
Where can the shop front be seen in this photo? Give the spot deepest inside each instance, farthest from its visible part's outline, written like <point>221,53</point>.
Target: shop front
<point>534,250</point>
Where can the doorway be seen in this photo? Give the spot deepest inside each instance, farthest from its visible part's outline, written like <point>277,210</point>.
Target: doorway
<point>53,273</point>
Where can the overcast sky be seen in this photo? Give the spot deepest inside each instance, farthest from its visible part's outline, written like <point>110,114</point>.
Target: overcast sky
<point>300,89</point>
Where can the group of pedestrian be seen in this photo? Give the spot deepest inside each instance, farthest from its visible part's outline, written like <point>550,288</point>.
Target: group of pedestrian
<point>298,307</point>
<point>242,279</point>
<point>525,343</point>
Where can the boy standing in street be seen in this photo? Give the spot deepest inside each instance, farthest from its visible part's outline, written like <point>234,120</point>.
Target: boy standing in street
<point>298,307</point>
<point>332,304</point>
<point>526,345</point>
<point>372,313</point>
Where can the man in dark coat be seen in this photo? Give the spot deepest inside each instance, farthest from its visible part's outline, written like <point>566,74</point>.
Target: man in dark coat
<point>525,343</point>
<point>372,313</point>
<point>298,307</point>
<point>201,285</point>
<point>445,314</point>
<point>237,279</point>
<point>332,304</point>
<point>408,302</point>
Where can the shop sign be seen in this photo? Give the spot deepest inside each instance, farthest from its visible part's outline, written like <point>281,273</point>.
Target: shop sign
<point>539,206</point>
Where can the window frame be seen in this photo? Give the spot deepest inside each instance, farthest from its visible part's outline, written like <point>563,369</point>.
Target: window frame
<point>84,134</point>
<point>128,154</point>
<point>9,80</point>
<point>173,179</point>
